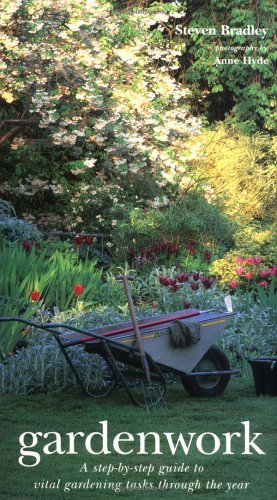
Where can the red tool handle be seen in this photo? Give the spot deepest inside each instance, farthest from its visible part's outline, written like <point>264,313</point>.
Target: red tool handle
<point>147,325</point>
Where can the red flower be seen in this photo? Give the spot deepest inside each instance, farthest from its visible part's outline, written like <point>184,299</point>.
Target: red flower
<point>78,289</point>
<point>258,260</point>
<point>35,295</point>
<point>191,248</point>
<point>239,260</point>
<point>186,304</point>
<point>182,277</point>
<point>250,261</point>
<point>248,275</point>
<point>263,283</point>
<point>132,253</point>
<point>194,285</point>
<point>174,288</point>
<point>263,273</point>
<point>79,240</point>
<point>88,240</point>
<point>206,281</point>
<point>233,284</point>
<point>240,270</point>
<point>27,245</point>
<point>207,255</point>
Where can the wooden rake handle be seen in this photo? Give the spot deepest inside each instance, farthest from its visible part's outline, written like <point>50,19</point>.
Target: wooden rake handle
<point>125,278</point>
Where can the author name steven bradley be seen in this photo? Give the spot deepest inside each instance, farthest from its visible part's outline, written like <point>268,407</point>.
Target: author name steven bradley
<point>245,60</point>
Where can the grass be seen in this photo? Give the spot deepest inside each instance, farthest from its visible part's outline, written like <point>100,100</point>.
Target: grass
<point>73,412</point>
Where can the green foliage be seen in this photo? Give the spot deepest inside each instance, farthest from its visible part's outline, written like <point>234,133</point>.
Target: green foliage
<point>257,239</point>
<point>52,276</point>
<point>252,331</point>
<point>41,367</point>
<point>248,90</point>
<point>14,229</point>
<point>190,218</point>
<point>12,333</point>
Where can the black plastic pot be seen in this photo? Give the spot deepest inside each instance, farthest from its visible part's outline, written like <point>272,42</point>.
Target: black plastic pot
<point>265,375</point>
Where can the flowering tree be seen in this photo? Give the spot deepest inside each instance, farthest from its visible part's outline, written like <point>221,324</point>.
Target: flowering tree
<point>92,88</point>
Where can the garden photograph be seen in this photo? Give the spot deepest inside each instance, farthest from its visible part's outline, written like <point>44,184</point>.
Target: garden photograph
<point>138,249</point>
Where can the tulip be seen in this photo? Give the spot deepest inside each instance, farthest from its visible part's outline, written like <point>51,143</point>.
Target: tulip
<point>207,282</point>
<point>207,255</point>
<point>182,277</point>
<point>79,240</point>
<point>78,289</point>
<point>240,270</point>
<point>258,260</point>
<point>273,271</point>
<point>88,240</point>
<point>233,284</point>
<point>186,304</point>
<point>263,283</point>
<point>194,285</point>
<point>250,260</point>
<point>35,295</point>
<point>248,275</point>
<point>239,260</point>
<point>263,273</point>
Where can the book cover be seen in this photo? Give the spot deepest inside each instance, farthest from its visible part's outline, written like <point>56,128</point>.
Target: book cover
<point>137,139</point>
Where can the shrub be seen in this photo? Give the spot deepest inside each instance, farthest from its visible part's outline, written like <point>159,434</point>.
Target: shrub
<point>190,218</point>
<point>236,271</point>
<point>14,229</point>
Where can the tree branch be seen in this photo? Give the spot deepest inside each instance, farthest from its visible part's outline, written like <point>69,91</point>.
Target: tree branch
<point>9,134</point>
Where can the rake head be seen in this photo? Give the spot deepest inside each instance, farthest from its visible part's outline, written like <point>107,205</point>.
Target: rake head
<point>153,398</point>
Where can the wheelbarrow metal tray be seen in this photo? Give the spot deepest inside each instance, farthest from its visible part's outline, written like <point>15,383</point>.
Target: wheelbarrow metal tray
<point>158,344</point>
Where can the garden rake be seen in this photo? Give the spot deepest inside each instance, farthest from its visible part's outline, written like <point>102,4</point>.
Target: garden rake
<point>153,396</point>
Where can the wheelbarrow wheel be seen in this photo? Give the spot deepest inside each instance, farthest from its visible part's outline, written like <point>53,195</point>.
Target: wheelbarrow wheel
<point>208,385</point>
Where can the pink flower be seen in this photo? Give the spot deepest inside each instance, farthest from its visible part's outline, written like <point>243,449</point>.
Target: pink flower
<point>258,260</point>
<point>186,304</point>
<point>263,283</point>
<point>240,270</point>
<point>273,271</point>
<point>248,275</point>
<point>250,260</point>
<point>263,273</point>
<point>233,284</point>
<point>239,260</point>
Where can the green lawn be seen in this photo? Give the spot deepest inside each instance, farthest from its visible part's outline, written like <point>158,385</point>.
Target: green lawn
<point>73,412</point>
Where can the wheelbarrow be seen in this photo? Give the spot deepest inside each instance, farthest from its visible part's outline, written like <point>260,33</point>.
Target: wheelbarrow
<point>203,368</point>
